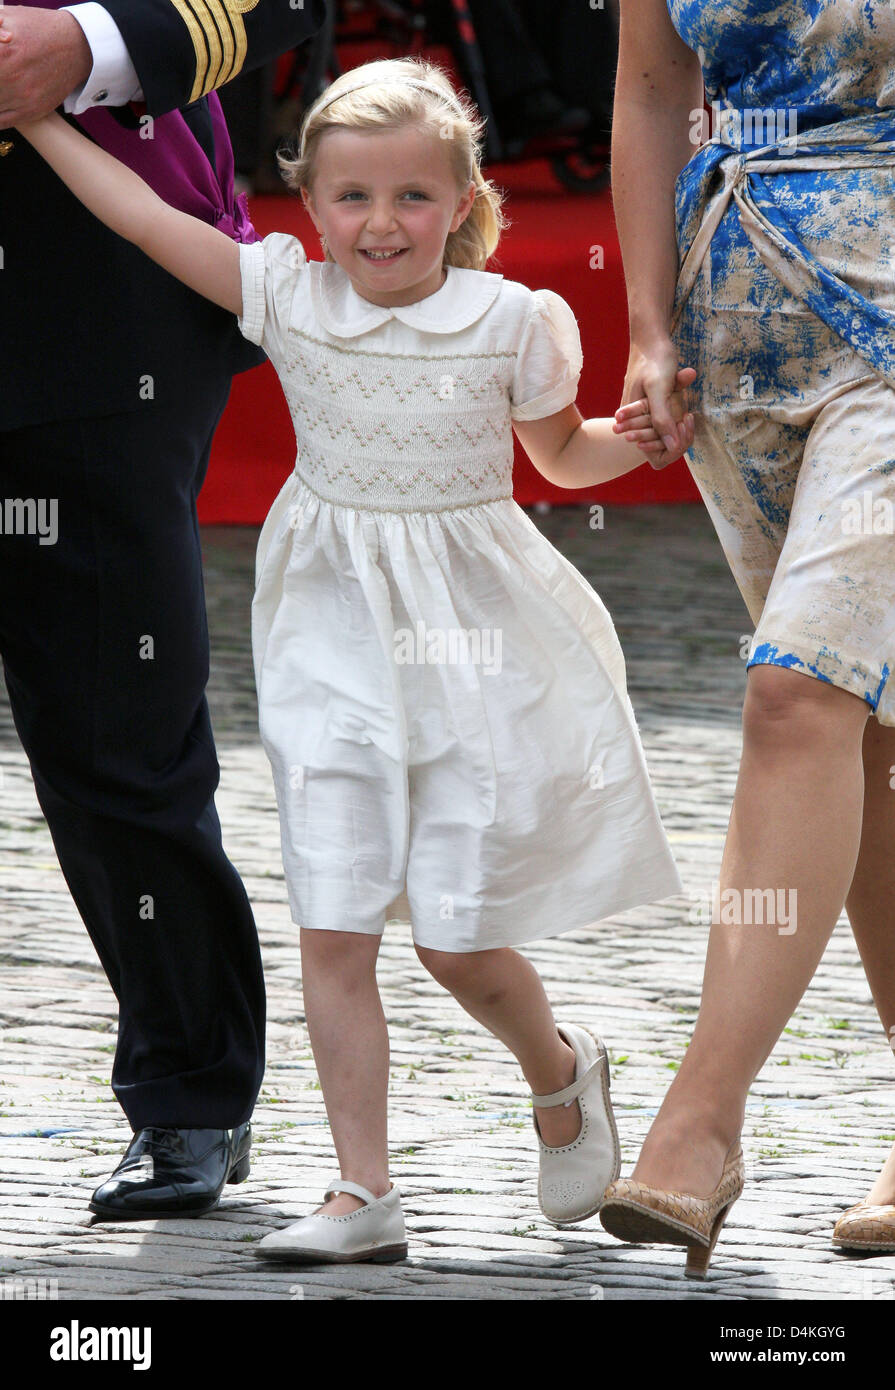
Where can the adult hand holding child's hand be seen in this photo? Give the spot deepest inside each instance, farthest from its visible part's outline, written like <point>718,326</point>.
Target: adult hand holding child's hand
<point>44,56</point>
<point>653,375</point>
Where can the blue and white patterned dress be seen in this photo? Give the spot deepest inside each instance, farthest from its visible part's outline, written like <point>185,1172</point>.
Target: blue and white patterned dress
<point>785,305</point>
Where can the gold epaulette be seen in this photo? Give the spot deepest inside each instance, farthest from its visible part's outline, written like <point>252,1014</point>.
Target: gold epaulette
<point>218,35</point>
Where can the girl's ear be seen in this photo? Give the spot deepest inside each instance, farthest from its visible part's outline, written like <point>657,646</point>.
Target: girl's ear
<point>464,207</point>
<point>308,201</point>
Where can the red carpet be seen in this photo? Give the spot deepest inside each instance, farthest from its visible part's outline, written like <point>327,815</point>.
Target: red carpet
<point>550,244</point>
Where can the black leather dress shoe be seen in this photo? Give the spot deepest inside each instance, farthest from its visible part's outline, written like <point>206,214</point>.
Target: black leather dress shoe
<point>174,1172</point>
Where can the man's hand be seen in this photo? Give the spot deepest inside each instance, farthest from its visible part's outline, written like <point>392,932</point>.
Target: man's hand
<point>43,57</point>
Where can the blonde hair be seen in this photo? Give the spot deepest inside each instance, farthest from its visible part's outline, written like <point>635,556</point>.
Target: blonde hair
<point>396,92</point>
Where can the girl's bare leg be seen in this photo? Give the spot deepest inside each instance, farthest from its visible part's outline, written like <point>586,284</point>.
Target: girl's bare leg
<point>503,991</point>
<point>349,1039</point>
<point>871,901</point>
<point>795,825</point>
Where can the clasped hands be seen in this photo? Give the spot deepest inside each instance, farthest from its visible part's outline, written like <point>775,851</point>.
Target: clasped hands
<point>657,421</point>
<point>44,56</point>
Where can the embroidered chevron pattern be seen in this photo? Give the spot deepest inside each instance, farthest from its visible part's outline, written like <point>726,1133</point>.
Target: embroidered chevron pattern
<point>400,433</point>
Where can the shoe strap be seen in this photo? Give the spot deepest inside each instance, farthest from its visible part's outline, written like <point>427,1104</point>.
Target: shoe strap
<point>341,1185</point>
<point>571,1091</point>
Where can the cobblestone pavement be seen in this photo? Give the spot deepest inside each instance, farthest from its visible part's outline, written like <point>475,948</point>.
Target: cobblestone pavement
<point>820,1119</point>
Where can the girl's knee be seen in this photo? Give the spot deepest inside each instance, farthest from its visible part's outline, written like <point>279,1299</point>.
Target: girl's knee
<point>452,969</point>
<point>345,950</point>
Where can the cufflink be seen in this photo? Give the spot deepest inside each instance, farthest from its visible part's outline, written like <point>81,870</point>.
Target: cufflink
<point>5,147</point>
<point>101,96</point>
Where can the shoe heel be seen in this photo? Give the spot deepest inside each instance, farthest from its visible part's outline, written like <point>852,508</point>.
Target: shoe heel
<point>698,1256</point>
<point>241,1171</point>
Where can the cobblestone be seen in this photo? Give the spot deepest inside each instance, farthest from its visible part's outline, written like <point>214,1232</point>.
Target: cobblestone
<point>820,1119</point>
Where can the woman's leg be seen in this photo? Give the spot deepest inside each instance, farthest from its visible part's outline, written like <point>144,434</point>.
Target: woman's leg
<point>871,900</point>
<point>504,992</point>
<point>795,825</point>
<point>349,1039</point>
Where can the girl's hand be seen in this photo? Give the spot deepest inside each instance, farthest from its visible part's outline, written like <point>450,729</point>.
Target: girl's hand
<point>634,423</point>
<point>634,419</point>
<point>652,373</point>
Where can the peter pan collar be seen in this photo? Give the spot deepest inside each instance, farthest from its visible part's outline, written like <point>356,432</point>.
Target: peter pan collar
<point>463,298</point>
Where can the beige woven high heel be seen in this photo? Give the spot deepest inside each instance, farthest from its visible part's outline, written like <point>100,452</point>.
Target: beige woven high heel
<point>866,1227</point>
<point>634,1212</point>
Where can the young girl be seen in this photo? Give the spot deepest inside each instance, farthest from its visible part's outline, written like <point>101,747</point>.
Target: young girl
<point>442,695</point>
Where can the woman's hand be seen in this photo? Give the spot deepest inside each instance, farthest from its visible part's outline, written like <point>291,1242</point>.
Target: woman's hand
<point>634,422</point>
<point>653,374</point>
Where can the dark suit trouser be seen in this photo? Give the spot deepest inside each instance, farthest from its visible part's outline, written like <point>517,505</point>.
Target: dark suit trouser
<point>105,649</point>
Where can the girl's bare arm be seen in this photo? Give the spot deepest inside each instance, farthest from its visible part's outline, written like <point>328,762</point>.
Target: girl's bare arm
<point>201,256</point>
<point>573,452</point>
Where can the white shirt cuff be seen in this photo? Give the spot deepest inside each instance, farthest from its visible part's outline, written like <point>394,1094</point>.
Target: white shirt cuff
<point>113,79</point>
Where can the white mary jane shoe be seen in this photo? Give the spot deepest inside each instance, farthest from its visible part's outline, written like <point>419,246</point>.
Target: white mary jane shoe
<point>573,1178</point>
<point>374,1232</point>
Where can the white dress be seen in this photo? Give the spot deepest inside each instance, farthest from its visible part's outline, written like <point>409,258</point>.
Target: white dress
<point>441,694</point>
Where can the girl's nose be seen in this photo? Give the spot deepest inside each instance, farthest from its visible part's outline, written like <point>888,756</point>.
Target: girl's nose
<point>381,219</point>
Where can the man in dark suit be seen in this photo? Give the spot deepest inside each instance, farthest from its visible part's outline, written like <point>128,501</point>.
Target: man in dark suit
<point>114,376</point>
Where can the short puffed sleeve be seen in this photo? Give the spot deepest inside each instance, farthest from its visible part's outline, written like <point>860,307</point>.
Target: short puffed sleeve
<point>548,360</point>
<point>270,271</point>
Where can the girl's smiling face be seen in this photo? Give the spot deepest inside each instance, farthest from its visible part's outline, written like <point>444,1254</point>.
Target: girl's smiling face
<point>391,192</point>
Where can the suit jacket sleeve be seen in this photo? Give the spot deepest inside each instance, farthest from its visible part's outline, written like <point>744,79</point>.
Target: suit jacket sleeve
<point>183,49</point>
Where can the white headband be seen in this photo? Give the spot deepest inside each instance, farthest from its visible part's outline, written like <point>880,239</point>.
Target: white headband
<point>382,82</point>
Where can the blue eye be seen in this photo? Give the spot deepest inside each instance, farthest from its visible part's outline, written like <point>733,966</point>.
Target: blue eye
<point>411,193</point>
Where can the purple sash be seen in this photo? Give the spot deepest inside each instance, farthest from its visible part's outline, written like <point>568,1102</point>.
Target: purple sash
<point>173,162</point>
